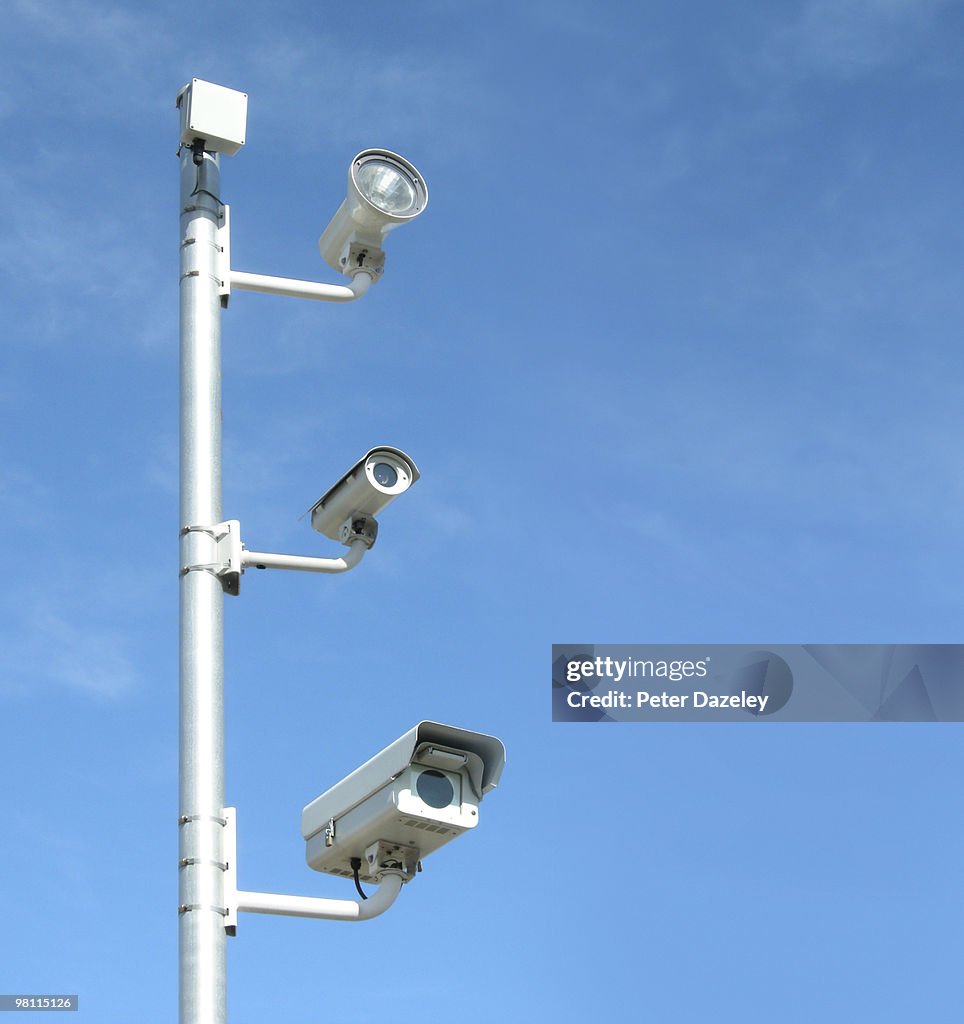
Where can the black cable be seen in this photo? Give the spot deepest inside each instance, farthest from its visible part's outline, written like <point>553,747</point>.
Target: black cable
<point>356,867</point>
<point>205,192</point>
<point>197,149</point>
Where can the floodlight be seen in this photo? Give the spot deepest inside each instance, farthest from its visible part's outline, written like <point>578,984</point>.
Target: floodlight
<point>384,191</point>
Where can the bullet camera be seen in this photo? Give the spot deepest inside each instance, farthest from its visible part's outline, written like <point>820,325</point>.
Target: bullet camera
<point>346,511</point>
<point>384,191</point>
<point>419,793</point>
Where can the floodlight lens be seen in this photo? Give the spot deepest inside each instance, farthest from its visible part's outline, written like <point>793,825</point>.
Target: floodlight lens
<point>434,788</point>
<point>384,474</point>
<point>387,187</point>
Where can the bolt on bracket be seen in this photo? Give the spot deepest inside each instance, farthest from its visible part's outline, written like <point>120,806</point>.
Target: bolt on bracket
<point>362,257</point>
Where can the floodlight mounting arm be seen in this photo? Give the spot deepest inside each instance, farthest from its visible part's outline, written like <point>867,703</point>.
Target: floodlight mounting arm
<point>236,900</point>
<point>295,289</point>
<point>364,273</point>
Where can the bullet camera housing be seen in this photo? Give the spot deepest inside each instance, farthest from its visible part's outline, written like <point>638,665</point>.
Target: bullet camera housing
<point>384,192</point>
<point>414,796</point>
<point>376,479</point>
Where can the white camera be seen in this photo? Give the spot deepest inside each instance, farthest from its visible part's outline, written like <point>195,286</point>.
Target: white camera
<point>346,511</point>
<point>417,794</point>
<point>384,192</point>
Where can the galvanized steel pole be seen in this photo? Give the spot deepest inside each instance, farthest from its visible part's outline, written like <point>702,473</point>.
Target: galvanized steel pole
<point>202,941</point>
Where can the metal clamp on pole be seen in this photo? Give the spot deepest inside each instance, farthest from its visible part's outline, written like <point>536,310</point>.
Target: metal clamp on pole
<point>228,567</point>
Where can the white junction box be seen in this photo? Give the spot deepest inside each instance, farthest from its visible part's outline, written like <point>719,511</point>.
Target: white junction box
<point>214,113</point>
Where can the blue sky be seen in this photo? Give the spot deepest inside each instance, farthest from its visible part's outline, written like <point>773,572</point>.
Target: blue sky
<point>677,349</point>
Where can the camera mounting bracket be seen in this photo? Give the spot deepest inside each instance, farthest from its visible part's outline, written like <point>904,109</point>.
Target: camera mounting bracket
<point>232,557</point>
<point>228,567</point>
<point>392,865</point>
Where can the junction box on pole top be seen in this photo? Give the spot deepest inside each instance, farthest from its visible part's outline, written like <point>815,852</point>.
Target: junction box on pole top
<point>214,114</point>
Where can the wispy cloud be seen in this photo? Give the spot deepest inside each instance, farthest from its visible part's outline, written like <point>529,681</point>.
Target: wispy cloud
<point>73,259</point>
<point>847,38</point>
<point>65,617</point>
<point>104,43</point>
<point>574,17</point>
<point>24,499</point>
<point>82,23</point>
<point>424,99</point>
<point>872,457</point>
<point>41,647</point>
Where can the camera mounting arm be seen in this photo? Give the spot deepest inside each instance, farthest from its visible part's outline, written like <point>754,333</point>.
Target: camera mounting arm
<point>304,563</point>
<point>316,906</point>
<point>229,557</point>
<point>390,877</point>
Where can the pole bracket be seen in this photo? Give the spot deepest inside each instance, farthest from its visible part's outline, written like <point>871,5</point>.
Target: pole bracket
<point>223,258</point>
<point>228,567</point>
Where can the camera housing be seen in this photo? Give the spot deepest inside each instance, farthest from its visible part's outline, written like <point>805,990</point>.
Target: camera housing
<point>416,795</point>
<point>376,479</point>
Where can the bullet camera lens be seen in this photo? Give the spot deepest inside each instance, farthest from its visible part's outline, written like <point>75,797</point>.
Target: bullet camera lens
<point>434,788</point>
<point>387,187</point>
<point>384,474</point>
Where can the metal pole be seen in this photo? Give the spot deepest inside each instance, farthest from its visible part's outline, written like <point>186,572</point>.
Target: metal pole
<point>201,905</point>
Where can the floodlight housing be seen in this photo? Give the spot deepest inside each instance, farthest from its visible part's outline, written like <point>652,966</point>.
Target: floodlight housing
<point>384,191</point>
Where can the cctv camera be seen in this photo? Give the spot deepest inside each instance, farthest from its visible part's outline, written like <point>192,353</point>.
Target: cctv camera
<point>384,191</point>
<point>346,511</point>
<point>419,793</point>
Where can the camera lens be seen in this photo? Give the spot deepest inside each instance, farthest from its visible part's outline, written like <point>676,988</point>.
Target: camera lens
<point>384,474</point>
<point>434,788</point>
